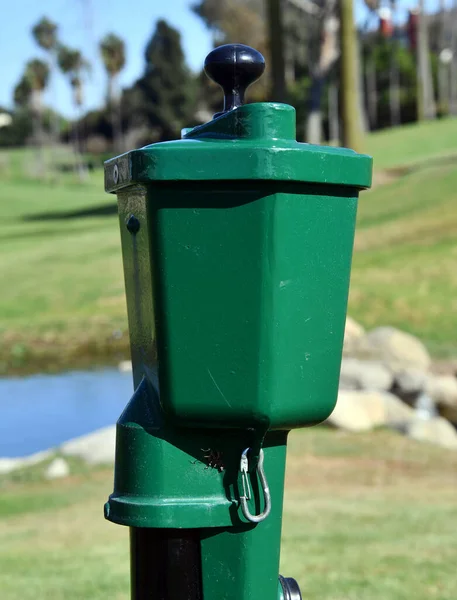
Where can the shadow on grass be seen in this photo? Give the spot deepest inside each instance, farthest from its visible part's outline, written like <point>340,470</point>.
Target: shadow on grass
<point>103,210</point>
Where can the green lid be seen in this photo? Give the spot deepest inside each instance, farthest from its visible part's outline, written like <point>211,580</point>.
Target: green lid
<point>250,142</point>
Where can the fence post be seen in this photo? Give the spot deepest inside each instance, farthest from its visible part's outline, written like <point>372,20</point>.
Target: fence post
<point>237,244</point>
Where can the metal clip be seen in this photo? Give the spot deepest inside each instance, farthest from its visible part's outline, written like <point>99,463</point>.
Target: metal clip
<point>244,467</point>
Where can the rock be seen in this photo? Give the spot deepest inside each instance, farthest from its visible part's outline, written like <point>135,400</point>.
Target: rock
<point>443,390</point>
<point>363,374</point>
<point>425,408</point>
<point>125,366</point>
<point>353,332</point>
<point>445,367</point>
<point>409,383</point>
<point>7,465</point>
<point>398,414</point>
<point>57,468</point>
<point>436,431</point>
<point>396,349</point>
<point>410,380</point>
<point>94,448</point>
<point>358,411</point>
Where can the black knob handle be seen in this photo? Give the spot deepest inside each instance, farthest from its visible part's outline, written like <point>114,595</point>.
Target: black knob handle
<point>234,67</point>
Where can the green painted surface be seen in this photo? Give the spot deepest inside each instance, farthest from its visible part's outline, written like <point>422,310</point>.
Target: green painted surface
<point>255,141</point>
<point>241,266</point>
<point>251,301</point>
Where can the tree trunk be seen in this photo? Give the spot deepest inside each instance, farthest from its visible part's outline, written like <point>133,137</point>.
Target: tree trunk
<point>425,97</point>
<point>314,120</point>
<point>352,131</point>
<point>79,162</point>
<point>453,68</point>
<point>114,103</point>
<point>327,56</point>
<point>333,113</point>
<point>36,104</point>
<point>443,68</point>
<point>394,88</point>
<point>372,92</point>
<point>363,119</point>
<point>276,32</point>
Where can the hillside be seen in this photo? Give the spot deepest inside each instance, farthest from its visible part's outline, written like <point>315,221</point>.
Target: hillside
<point>64,305</point>
<point>406,242</point>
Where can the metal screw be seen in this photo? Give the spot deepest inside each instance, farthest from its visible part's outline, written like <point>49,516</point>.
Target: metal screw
<point>133,225</point>
<point>116,174</point>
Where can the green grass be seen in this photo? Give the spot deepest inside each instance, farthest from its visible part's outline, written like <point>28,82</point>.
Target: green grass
<point>404,271</point>
<point>367,517</point>
<point>64,299</point>
<point>412,144</point>
<point>63,302</point>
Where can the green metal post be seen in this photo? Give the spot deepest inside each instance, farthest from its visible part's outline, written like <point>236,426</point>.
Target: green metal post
<point>237,244</point>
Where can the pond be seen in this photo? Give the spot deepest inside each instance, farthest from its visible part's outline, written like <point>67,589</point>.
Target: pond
<point>42,411</point>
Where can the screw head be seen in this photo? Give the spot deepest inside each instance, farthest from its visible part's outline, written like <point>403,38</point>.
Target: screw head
<point>133,225</point>
<point>116,174</point>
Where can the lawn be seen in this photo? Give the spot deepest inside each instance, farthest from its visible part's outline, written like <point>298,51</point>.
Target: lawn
<point>404,269</point>
<point>367,517</point>
<point>63,303</point>
<point>60,256</point>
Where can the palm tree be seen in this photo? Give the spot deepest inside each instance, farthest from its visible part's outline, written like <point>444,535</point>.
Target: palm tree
<point>112,49</point>
<point>45,35</point>
<point>22,93</point>
<point>74,66</point>
<point>352,126</point>
<point>37,76</point>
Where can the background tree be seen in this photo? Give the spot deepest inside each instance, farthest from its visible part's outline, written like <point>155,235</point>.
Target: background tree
<point>22,93</point>
<point>74,66</point>
<point>162,100</point>
<point>112,49</point>
<point>350,105</point>
<point>425,97</point>
<point>321,61</point>
<point>45,35</point>
<point>277,50</point>
<point>453,65</point>
<point>37,76</point>
<point>242,21</point>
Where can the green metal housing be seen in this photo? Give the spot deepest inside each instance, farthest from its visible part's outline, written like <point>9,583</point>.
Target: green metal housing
<point>237,279</point>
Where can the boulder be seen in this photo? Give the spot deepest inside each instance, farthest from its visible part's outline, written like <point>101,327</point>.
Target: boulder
<point>364,375</point>
<point>7,465</point>
<point>409,383</point>
<point>396,349</point>
<point>57,468</point>
<point>353,332</point>
<point>95,448</point>
<point>358,411</point>
<point>443,391</point>
<point>397,414</point>
<point>436,431</point>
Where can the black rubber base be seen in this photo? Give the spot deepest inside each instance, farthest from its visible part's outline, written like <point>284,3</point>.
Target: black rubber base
<point>290,588</point>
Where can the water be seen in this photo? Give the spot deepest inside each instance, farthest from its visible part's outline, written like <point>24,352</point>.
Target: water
<point>43,411</point>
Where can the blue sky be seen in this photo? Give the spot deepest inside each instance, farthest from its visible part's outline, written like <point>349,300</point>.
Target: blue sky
<point>82,23</point>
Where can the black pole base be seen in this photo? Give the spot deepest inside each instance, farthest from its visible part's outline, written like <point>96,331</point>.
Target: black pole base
<point>165,564</point>
<point>290,588</point>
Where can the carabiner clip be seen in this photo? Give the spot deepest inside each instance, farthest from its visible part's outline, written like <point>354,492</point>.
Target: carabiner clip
<point>246,489</point>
